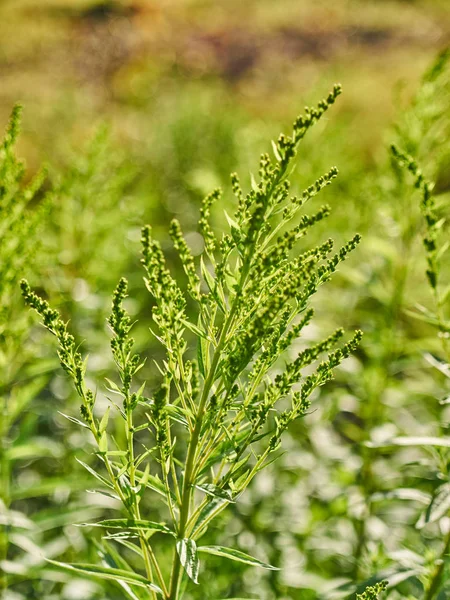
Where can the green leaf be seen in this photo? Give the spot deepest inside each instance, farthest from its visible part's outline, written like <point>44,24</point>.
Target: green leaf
<point>112,559</point>
<point>215,491</point>
<point>412,441</point>
<point>34,448</point>
<point>231,222</point>
<point>104,422</point>
<point>95,474</point>
<point>113,387</point>
<point>233,554</point>
<point>202,356</point>
<point>125,542</point>
<point>154,483</point>
<point>198,332</point>
<point>276,152</point>
<point>103,444</point>
<point>438,508</point>
<point>48,486</point>
<point>437,364</point>
<point>74,420</point>
<point>402,494</point>
<point>104,493</point>
<point>48,519</point>
<point>215,504</point>
<point>225,449</point>
<point>187,551</point>
<point>138,524</point>
<point>122,535</point>
<point>107,573</point>
<point>177,414</point>
<point>212,284</point>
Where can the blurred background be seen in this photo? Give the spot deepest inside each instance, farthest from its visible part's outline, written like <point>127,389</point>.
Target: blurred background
<point>144,64</point>
<point>140,108</point>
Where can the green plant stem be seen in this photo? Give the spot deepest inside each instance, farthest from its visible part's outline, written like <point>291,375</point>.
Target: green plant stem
<point>175,578</point>
<point>149,557</point>
<point>188,480</point>
<point>436,579</point>
<point>221,507</point>
<point>145,546</point>
<point>176,574</point>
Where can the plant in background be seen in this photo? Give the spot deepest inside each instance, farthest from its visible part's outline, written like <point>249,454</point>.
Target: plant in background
<point>219,414</point>
<point>88,235</point>
<point>433,574</point>
<point>93,202</point>
<point>390,369</point>
<point>36,495</point>
<point>22,209</point>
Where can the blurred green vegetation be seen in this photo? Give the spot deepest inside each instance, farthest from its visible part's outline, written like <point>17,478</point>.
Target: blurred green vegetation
<point>142,107</point>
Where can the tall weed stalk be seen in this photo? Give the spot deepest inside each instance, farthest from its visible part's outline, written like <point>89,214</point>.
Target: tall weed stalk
<point>438,510</point>
<point>226,380</point>
<point>22,210</point>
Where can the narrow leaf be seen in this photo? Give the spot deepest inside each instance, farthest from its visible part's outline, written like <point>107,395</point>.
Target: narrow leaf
<point>215,491</point>
<point>198,332</point>
<point>138,524</point>
<point>122,535</point>
<point>74,420</point>
<point>95,474</point>
<point>236,555</point>
<point>104,493</point>
<point>104,422</point>
<point>212,284</point>
<point>202,356</point>
<point>187,551</point>
<point>402,494</point>
<point>177,414</point>
<point>438,508</point>
<point>106,573</point>
<point>412,441</point>
<point>214,506</point>
<point>113,387</point>
<point>154,483</point>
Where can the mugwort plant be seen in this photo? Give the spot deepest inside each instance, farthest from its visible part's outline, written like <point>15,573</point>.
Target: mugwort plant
<point>224,400</point>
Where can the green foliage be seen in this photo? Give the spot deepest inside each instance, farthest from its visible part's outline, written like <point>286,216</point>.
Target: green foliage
<point>36,225</point>
<point>361,492</point>
<point>22,209</point>
<point>428,209</point>
<point>252,304</point>
<point>20,239</point>
<point>439,506</point>
<point>93,207</point>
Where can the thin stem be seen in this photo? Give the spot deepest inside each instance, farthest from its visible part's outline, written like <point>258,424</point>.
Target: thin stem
<point>142,539</point>
<point>436,580</point>
<point>149,556</point>
<point>188,480</point>
<point>165,473</point>
<point>221,507</point>
<point>175,578</point>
